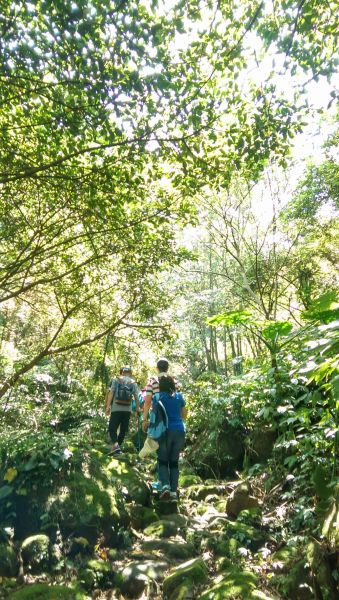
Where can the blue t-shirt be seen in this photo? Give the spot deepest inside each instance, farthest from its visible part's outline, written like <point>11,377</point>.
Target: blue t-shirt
<point>173,405</point>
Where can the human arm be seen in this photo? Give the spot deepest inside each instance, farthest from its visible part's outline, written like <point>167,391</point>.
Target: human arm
<point>108,402</point>
<point>136,398</point>
<point>147,406</point>
<point>183,413</point>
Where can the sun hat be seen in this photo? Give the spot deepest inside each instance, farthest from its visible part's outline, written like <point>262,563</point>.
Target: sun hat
<point>149,447</point>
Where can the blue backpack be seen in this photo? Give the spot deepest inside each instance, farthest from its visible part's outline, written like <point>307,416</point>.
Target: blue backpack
<point>123,392</point>
<point>158,420</point>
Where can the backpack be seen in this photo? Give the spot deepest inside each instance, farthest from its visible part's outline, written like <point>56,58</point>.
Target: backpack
<point>158,420</point>
<point>123,393</point>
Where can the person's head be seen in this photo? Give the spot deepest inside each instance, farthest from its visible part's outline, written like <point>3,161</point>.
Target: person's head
<point>166,384</point>
<point>162,365</point>
<point>127,371</point>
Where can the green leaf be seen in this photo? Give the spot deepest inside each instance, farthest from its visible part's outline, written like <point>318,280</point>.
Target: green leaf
<point>235,317</point>
<point>5,491</point>
<point>276,329</point>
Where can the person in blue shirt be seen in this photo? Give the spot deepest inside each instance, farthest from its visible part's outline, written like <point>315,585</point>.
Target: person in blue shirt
<point>173,442</point>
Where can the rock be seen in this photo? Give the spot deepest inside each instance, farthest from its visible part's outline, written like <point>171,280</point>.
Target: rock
<point>161,529</point>
<point>183,578</point>
<point>167,507</point>
<point>142,516</point>
<point>43,591</point>
<point>200,492</point>
<point>321,570</point>
<point>135,577</point>
<point>132,479</point>
<point>293,576</point>
<point>171,549</point>
<point>261,444</point>
<point>180,520</point>
<point>8,561</point>
<point>35,552</point>
<point>235,584</point>
<point>240,499</point>
<point>79,545</point>
<point>186,481</point>
<point>97,574</point>
<point>89,507</point>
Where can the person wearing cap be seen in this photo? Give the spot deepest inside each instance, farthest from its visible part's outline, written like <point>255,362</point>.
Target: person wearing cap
<point>118,409</point>
<point>173,442</point>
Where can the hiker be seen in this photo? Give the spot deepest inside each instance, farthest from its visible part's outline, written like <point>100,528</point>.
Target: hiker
<point>118,405</point>
<point>172,443</point>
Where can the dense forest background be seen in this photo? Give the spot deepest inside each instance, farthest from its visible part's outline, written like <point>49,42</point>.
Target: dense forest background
<point>169,186</point>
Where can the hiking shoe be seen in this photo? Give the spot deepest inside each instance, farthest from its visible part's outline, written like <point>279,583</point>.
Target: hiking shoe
<point>173,496</point>
<point>115,451</point>
<point>165,493</point>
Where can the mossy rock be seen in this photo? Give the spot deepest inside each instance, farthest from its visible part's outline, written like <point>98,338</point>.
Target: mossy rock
<point>316,556</point>
<point>88,507</point>
<point>42,591</point>
<point>285,557</point>
<point>227,548</point>
<point>186,481</point>
<point>130,478</point>
<point>186,575</point>
<point>246,534</point>
<point>202,509</point>
<point>176,550</point>
<point>167,507</point>
<point>200,492</point>
<point>79,545</point>
<point>142,516</point>
<point>97,574</point>
<point>296,583</point>
<point>161,529</point>
<point>235,584</point>
<point>35,552</point>
<point>8,561</point>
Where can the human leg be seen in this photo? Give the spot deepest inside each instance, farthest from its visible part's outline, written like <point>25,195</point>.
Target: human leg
<point>113,425</point>
<point>124,423</point>
<point>163,462</point>
<point>176,443</point>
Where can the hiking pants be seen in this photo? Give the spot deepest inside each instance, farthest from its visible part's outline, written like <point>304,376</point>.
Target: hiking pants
<point>168,456</point>
<point>119,419</point>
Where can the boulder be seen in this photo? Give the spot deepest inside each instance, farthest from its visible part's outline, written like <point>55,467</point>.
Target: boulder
<point>136,576</point>
<point>241,499</point>
<point>88,507</point>
<point>201,492</point>
<point>142,516</point>
<point>234,584</point>
<point>43,591</point>
<point>321,569</point>
<point>133,482</point>
<point>161,529</point>
<point>36,553</point>
<point>167,507</point>
<point>170,549</point>
<point>261,444</point>
<point>186,480</point>
<point>97,574</point>
<point>8,561</point>
<point>292,575</point>
<point>182,579</point>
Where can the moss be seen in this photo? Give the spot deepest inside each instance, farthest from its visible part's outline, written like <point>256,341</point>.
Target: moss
<point>186,481</point>
<point>236,584</point>
<point>124,475</point>
<point>36,552</point>
<point>192,572</point>
<point>8,561</point>
<point>142,516</point>
<point>87,507</point>
<point>43,591</point>
<point>161,529</point>
<point>245,534</point>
